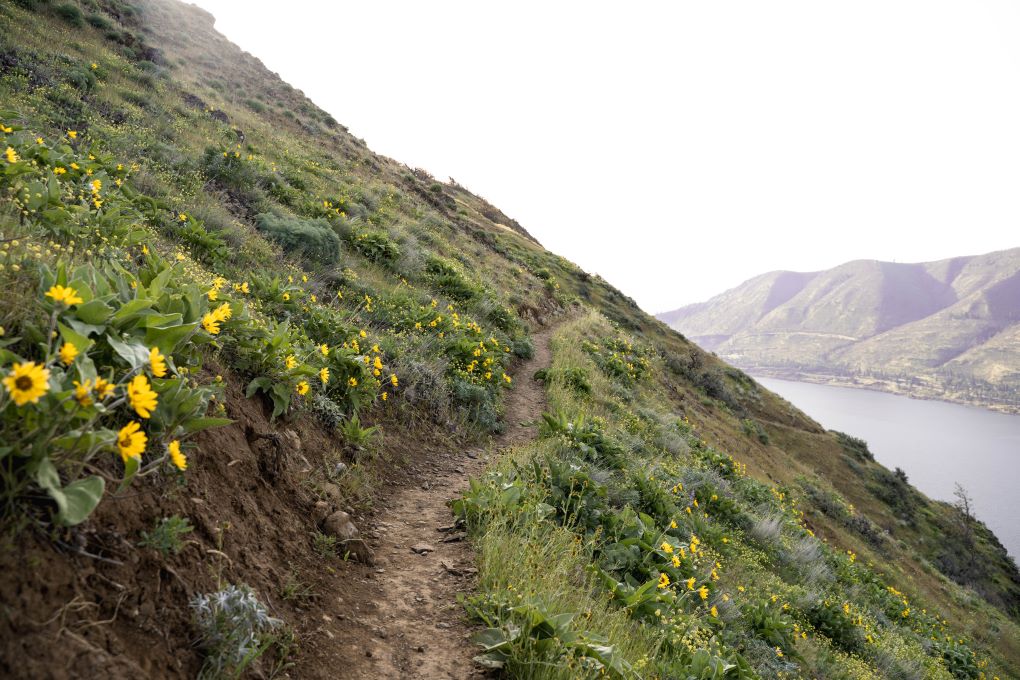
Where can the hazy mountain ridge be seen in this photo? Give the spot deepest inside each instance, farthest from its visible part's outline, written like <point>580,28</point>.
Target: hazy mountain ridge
<point>943,329</point>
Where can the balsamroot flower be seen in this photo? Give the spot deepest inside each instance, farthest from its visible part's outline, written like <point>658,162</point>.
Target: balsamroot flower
<point>179,460</point>
<point>67,353</point>
<point>141,396</point>
<point>104,388</point>
<point>131,441</point>
<point>158,362</point>
<point>65,294</point>
<point>302,387</point>
<point>27,382</point>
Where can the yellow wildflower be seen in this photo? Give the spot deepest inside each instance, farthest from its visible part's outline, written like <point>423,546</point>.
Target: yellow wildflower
<point>703,592</point>
<point>393,380</point>
<point>176,457</point>
<point>59,170</point>
<point>690,583</point>
<point>223,312</point>
<point>12,155</point>
<point>324,348</point>
<point>104,388</point>
<point>131,441</point>
<point>302,387</point>
<point>324,375</point>
<point>27,382</point>
<point>73,134</point>
<point>289,362</point>
<point>352,381</point>
<point>141,396</point>
<point>158,362</point>
<point>384,396</point>
<point>663,580</point>
<point>67,353</point>
<point>666,547</point>
<point>83,392</point>
<point>69,296</point>
<point>211,323</point>
<point>714,612</point>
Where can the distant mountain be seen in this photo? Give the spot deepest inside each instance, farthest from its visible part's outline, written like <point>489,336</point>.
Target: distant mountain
<point>948,329</point>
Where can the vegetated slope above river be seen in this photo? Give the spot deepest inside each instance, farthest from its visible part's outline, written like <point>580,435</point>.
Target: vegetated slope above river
<point>947,329</point>
<point>224,254</point>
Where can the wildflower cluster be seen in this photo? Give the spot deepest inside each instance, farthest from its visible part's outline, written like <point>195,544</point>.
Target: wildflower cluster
<point>619,358</point>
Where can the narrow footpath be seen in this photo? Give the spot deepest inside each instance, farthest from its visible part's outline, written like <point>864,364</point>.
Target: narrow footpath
<point>404,619</point>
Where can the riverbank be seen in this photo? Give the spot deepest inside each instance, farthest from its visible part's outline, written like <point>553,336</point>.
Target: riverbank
<point>920,388</point>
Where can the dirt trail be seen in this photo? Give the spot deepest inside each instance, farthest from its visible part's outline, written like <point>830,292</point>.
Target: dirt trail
<point>404,620</point>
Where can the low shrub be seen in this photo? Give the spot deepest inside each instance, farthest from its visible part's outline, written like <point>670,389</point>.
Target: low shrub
<point>312,239</point>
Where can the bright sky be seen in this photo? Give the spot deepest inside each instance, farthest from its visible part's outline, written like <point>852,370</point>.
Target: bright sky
<point>679,148</point>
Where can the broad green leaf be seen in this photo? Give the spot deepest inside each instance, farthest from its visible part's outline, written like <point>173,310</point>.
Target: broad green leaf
<point>72,336</point>
<point>130,468</point>
<point>84,441</point>
<point>135,354</point>
<point>80,498</point>
<point>198,424</point>
<point>94,312</point>
<point>157,285</point>
<point>46,475</point>
<point>131,308</point>
<point>262,383</point>
<point>169,337</point>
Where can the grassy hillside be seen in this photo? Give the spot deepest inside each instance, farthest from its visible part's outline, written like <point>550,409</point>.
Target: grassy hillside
<point>226,319</point>
<point>937,329</point>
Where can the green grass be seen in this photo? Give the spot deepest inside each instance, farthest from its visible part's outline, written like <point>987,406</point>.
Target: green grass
<point>777,600</point>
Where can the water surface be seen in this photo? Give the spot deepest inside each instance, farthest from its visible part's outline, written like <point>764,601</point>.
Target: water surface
<point>936,443</point>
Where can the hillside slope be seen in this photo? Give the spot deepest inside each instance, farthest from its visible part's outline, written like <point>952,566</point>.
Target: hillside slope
<point>233,336</point>
<point>937,329</point>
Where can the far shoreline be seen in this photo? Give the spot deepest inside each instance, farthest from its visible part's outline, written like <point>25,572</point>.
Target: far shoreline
<point>881,385</point>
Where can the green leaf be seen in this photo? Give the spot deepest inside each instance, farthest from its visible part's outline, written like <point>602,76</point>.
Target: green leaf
<point>81,342</point>
<point>198,424</point>
<point>130,468</point>
<point>83,441</point>
<point>157,285</point>
<point>490,638</point>
<point>80,498</point>
<point>131,308</point>
<point>94,312</point>
<point>134,353</point>
<point>258,384</point>
<point>169,337</point>
<point>46,475</point>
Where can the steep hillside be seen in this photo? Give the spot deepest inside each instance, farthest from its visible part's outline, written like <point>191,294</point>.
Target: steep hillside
<point>245,363</point>
<point>937,329</point>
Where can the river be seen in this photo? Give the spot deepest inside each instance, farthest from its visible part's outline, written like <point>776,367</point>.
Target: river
<point>936,443</point>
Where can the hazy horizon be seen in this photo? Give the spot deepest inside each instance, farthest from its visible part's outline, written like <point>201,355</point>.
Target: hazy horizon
<point>698,142</point>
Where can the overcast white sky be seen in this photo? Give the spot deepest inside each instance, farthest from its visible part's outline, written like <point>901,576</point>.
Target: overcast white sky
<point>679,148</point>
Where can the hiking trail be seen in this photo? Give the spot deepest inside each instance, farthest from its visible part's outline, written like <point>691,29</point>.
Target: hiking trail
<point>402,618</point>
